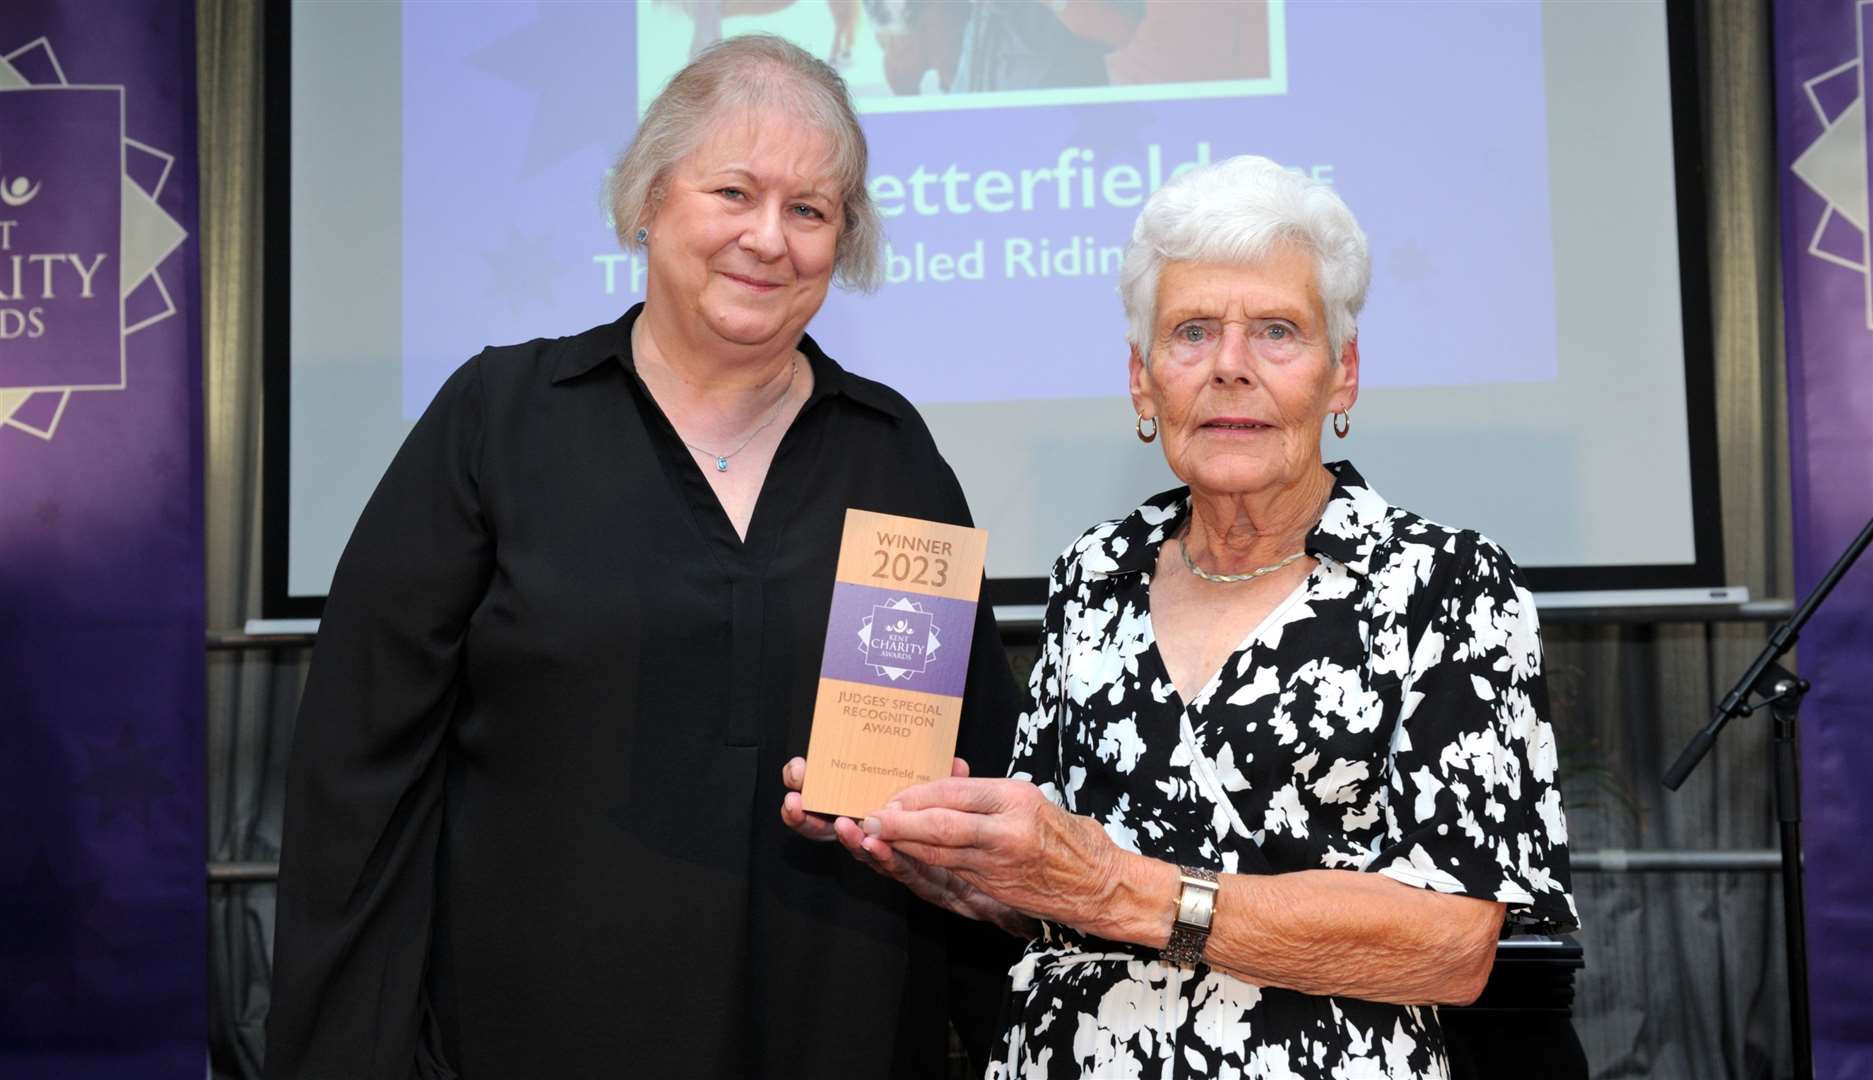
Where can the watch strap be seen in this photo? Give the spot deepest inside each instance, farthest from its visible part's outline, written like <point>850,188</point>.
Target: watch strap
<point>1196,910</point>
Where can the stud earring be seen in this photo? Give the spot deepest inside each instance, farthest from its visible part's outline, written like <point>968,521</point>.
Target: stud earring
<point>643,235</point>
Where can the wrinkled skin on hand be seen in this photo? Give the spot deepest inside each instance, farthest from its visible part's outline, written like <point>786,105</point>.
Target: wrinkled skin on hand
<point>1005,839</point>
<point>935,884</point>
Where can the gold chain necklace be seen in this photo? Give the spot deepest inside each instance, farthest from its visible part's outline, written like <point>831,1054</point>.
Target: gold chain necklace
<point>1191,564</point>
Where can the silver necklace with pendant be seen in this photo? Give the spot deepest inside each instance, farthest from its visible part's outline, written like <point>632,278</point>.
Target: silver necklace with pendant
<point>721,460</point>
<point>1251,575</point>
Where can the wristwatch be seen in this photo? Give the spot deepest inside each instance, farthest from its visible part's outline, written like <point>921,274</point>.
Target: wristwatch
<point>1196,909</point>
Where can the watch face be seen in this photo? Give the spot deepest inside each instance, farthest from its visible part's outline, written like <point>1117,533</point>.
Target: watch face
<point>1196,904</point>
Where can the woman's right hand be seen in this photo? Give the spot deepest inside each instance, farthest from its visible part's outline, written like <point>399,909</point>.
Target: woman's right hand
<point>934,884</point>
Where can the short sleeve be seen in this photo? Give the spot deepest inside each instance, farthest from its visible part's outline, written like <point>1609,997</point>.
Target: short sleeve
<point>1036,754</point>
<point>1473,803</point>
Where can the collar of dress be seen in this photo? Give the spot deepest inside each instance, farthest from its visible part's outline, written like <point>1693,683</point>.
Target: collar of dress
<point>571,358</point>
<point>1355,521</point>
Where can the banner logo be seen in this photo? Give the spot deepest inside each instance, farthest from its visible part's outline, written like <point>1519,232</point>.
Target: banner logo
<point>82,239</point>
<point>1836,165</point>
<point>18,192</point>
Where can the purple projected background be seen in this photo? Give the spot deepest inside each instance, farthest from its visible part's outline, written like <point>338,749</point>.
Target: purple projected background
<point>1429,119</point>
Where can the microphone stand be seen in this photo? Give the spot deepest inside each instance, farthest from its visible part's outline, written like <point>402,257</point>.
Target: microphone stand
<point>1781,691</point>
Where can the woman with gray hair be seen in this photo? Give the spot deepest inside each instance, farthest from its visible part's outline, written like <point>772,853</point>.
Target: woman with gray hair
<point>529,827</point>
<point>1287,774</point>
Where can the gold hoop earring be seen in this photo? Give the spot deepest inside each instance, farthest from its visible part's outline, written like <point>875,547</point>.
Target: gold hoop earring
<point>1342,423</point>
<point>1143,437</point>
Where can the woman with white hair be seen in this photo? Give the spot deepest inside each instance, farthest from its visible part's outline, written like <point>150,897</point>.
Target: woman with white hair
<point>529,822</point>
<point>1287,776</point>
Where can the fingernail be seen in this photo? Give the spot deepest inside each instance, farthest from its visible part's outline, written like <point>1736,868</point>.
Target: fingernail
<point>872,826</point>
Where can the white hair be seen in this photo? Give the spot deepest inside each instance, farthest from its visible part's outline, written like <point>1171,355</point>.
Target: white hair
<point>1239,211</point>
<point>734,75</point>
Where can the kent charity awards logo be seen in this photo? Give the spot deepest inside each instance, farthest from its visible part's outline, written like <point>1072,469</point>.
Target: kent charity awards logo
<point>82,240</point>
<point>898,639</point>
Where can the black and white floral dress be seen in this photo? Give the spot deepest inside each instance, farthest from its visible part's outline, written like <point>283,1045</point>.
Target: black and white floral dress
<point>1387,717</point>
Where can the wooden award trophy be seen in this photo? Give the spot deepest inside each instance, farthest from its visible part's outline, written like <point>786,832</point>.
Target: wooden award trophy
<point>897,656</point>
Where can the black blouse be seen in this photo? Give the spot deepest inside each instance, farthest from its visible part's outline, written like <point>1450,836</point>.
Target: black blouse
<point>533,810</point>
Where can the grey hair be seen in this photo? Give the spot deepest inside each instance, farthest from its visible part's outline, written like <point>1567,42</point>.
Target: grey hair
<point>1239,211</point>
<point>751,71</point>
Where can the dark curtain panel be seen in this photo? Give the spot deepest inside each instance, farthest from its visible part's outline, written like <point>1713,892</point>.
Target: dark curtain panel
<point>251,696</point>
<point>1685,971</point>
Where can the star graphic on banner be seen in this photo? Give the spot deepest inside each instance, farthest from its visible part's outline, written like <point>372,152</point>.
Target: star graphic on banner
<point>561,59</point>
<point>522,269</point>
<point>37,916</point>
<point>123,778</point>
<point>1835,167</point>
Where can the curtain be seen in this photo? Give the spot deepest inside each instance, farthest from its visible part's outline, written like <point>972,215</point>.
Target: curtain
<point>251,695</point>
<point>1684,974</point>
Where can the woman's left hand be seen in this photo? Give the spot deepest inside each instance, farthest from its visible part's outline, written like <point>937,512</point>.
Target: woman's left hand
<point>1005,838</point>
<point>931,883</point>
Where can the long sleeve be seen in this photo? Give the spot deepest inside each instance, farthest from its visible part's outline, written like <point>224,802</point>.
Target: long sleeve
<point>365,781</point>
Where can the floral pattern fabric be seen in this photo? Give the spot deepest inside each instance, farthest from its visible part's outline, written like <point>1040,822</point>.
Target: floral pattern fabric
<point>1389,716</point>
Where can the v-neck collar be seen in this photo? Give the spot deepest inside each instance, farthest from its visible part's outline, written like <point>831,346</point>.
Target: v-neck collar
<point>1274,618</point>
<point>733,553</point>
<point>1352,524</point>
<point>1350,527</point>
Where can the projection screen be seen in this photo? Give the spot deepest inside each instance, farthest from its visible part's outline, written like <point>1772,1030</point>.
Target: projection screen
<point>1534,349</point>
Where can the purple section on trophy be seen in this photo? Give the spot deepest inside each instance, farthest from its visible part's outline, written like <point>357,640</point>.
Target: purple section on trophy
<point>896,639</point>
<point>61,184</point>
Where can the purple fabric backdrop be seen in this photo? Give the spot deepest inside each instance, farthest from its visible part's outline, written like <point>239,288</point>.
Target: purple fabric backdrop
<point>102,892</point>
<point>1822,136</point>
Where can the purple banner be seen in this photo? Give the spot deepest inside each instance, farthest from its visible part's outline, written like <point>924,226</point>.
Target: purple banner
<point>103,902</point>
<point>1823,140</point>
<point>897,639</point>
